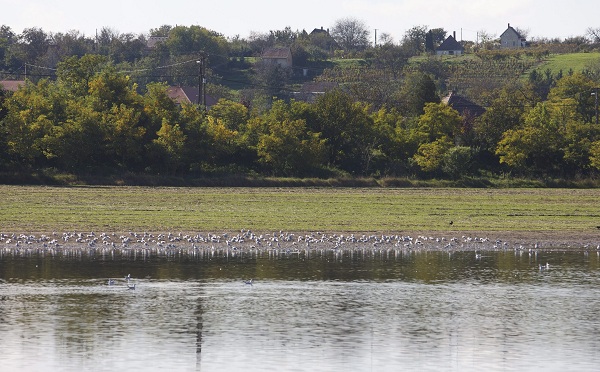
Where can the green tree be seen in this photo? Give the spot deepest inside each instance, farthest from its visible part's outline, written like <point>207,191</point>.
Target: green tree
<point>430,156</point>
<point>577,87</point>
<point>418,89</point>
<point>171,140</point>
<point>391,58</point>
<point>414,40</point>
<point>289,149</point>
<point>438,120</point>
<point>75,73</point>
<point>348,129</point>
<point>77,144</point>
<point>504,113</point>
<point>458,162</point>
<point>595,155</point>
<point>234,115</point>
<point>270,80</point>
<point>31,113</point>
<point>158,107</point>
<point>109,88</point>
<point>537,145</point>
<point>191,41</point>
<point>578,145</point>
<point>124,135</point>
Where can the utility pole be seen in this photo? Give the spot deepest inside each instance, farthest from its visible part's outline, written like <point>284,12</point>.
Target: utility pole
<point>595,93</point>
<point>202,81</point>
<point>375,37</point>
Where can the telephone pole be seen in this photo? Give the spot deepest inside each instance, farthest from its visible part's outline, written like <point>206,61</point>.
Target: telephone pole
<point>595,93</point>
<point>202,81</point>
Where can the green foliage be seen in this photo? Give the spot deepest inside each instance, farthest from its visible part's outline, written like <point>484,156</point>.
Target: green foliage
<point>430,156</point>
<point>550,137</point>
<point>171,140</point>
<point>595,154</point>
<point>384,120</point>
<point>438,120</point>
<point>418,89</point>
<point>458,162</point>
<point>289,149</point>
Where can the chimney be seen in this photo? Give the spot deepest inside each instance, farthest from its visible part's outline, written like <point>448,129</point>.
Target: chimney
<point>454,34</point>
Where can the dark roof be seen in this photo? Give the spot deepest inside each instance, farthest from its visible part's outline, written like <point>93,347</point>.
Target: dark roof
<point>319,31</point>
<point>450,44</point>
<point>463,105</point>
<point>277,53</point>
<point>188,95</point>
<point>510,28</point>
<point>11,85</point>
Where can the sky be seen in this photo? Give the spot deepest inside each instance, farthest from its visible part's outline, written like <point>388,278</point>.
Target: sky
<point>539,18</point>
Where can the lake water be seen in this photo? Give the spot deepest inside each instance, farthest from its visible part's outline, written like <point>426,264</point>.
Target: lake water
<point>330,310</point>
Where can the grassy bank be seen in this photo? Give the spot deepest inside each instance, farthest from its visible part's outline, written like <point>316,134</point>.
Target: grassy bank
<point>51,178</point>
<point>38,209</point>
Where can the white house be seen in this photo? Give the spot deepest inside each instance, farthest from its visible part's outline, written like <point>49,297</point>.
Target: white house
<point>511,39</point>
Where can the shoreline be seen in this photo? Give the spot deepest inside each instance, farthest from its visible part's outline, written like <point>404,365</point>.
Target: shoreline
<point>246,240</point>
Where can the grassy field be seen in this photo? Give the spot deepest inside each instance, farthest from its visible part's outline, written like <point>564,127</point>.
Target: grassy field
<point>29,209</point>
<point>571,61</point>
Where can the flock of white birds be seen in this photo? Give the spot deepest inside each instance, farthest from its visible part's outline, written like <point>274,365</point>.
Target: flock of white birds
<point>243,241</point>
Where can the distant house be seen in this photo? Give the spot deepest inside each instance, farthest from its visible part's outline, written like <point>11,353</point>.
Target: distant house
<point>183,95</point>
<point>11,85</point>
<point>321,38</point>
<point>319,31</point>
<point>280,56</point>
<point>450,47</point>
<point>465,107</point>
<point>511,39</point>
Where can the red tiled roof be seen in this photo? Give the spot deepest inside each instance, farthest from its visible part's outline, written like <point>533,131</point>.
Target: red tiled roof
<point>11,85</point>
<point>188,95</point>
<point>277,53</point>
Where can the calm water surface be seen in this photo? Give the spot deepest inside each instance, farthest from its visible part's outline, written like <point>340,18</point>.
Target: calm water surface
<point>334,311</point>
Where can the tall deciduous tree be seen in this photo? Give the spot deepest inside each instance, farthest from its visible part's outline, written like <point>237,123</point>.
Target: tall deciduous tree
<point>348,129</point>
<point>438,120</point>
<point>75,73</point>
<point>171,140</point>
<point>418,89</point>
<point>290,149</point>
<point>351,34</point>
<point>538,145</point>
<point>414,40</point>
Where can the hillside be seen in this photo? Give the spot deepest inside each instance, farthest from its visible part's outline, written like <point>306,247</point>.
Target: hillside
<point>571,61</point>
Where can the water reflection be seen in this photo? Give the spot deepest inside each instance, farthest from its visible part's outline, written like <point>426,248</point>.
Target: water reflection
<point>343,310</point>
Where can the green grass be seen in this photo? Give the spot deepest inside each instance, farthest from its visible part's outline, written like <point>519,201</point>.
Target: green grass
<point>34,209</point>
<point>571,61</point>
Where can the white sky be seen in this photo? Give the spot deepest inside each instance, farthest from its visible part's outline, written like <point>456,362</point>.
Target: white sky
<point>541,18</point>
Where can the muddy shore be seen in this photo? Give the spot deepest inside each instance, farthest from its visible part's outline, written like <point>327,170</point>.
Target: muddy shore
<point>244,240</point>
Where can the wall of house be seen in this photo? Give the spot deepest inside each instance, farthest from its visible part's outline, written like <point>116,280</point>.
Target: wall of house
<point>449,52</point>
<point>511,40</point>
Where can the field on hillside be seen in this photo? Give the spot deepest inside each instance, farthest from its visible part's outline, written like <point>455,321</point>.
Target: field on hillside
<point>571,61</point>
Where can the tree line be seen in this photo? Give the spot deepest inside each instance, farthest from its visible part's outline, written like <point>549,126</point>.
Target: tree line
<point>97,114</point>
